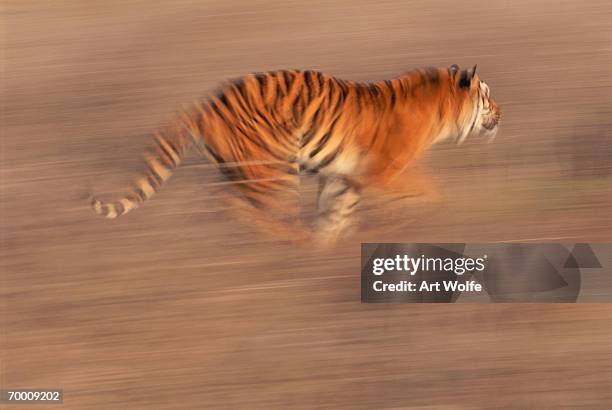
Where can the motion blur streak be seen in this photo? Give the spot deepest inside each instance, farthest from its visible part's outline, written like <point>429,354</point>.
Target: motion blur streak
<point>182,305</point>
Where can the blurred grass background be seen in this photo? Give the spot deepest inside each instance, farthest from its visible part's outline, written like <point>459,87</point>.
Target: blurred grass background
<point>180,305</point>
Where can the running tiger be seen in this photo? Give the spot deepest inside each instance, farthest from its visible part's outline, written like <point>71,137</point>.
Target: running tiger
<point>263,130</point>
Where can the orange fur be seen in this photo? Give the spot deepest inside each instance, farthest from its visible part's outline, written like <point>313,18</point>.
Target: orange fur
<point>264,129</point>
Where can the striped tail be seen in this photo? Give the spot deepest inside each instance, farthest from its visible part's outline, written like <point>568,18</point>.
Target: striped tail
<point>166,155</point>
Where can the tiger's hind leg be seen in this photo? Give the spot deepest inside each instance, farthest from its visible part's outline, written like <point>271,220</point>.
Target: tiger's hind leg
<point>271,202</point>
<point>337,201</point>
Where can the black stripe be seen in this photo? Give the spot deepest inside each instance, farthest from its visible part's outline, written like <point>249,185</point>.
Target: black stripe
<point>276,84</point>
<point>320,144</point>
<point>353,205</point>
<point>172,145</point>
<point>153,180</point>
<point>319,78</point>
<point>327,160</point>
<point>119,208</point>
<point>223,99</point>
<point>297,108</point>
<point>433,76</point>
<point>322,141</point>
<point>214,154</point>
<point>262,116</point>
<point>342,191</point>
<point>359,97</point>
<point>154,173</point>
<point>233,173</point>
<point>343,88</point>
<point>166,153</point>
<point>254,138</point>
<point>309,84</point>
<point>225,103</point>
<point>293,171</point>
<point>140,194</point>
<point>392,92</point>
<point>339,99</point>
<point>262,79</point>
<point>241,87</point>
<point>217,111</point>
<point>307,137</point>
<point>255,202</point>
<point>403,90</point>
<point>288,80</point>
<point>242,102</point>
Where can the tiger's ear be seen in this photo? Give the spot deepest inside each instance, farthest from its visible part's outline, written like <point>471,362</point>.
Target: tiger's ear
<point>453,70</point>
<point>467,76</point>
<point>473,71</point>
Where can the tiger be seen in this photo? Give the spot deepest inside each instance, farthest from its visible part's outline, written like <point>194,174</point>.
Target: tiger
<point>264,130</point>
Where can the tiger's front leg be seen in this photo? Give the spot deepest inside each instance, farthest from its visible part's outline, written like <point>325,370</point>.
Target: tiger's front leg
<point>337,201</point>
<point>409,196</point>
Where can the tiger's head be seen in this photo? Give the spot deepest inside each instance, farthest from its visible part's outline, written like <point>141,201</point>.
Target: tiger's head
<point>479,114</point>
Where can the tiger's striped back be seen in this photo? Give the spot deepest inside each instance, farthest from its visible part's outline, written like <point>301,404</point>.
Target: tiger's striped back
<point>263,129</point>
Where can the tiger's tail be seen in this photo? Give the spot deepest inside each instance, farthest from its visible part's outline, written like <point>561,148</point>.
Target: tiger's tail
<point>165,156</point>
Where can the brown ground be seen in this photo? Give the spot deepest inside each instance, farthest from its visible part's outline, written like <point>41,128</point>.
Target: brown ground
<point>181,306</point>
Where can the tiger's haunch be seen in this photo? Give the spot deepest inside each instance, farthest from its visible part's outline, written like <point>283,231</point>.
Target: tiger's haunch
<point>263,130</point>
